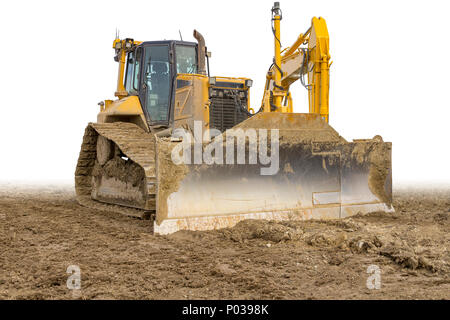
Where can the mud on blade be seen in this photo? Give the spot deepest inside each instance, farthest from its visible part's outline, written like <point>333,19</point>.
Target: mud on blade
<point>319,176</point>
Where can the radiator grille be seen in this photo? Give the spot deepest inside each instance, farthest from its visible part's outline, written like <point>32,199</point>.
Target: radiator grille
<point>225,113</point>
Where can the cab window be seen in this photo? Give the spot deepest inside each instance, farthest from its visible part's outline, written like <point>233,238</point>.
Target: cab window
<point>157,81</point>
<point>132,72</point>
<point>186,59</point>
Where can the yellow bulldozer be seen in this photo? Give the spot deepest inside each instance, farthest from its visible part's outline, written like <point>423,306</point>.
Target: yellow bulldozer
<point>186,149</point>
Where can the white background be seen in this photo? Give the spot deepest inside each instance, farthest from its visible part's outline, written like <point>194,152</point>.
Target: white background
<point>390,74</point>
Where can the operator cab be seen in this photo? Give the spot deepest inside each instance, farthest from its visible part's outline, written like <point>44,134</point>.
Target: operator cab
<point>151,72</point>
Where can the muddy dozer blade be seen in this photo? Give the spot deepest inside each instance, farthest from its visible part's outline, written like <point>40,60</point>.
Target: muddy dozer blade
<point>315,174</point>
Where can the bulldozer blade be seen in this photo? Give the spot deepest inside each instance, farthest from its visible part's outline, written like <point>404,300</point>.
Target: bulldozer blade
<point>319,176</point>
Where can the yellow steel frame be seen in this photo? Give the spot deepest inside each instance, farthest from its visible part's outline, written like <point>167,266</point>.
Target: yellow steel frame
<point>121,46</point>
<point>290,61</point>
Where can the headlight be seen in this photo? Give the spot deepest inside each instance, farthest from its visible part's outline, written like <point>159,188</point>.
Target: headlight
<point>248,83</point>
<point>212,81</point>
<point>118,45</point>
<point>128,45</point>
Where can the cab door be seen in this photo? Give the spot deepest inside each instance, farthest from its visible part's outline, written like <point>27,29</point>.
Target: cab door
<point>157,84</point>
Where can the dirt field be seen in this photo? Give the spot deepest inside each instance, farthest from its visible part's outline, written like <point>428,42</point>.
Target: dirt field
<point>43,231</point>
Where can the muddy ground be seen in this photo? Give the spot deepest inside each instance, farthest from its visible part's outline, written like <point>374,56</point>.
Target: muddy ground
<point>43,231</point>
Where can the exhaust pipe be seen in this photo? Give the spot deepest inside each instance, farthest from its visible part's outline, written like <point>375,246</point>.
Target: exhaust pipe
<point>201,52</point>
